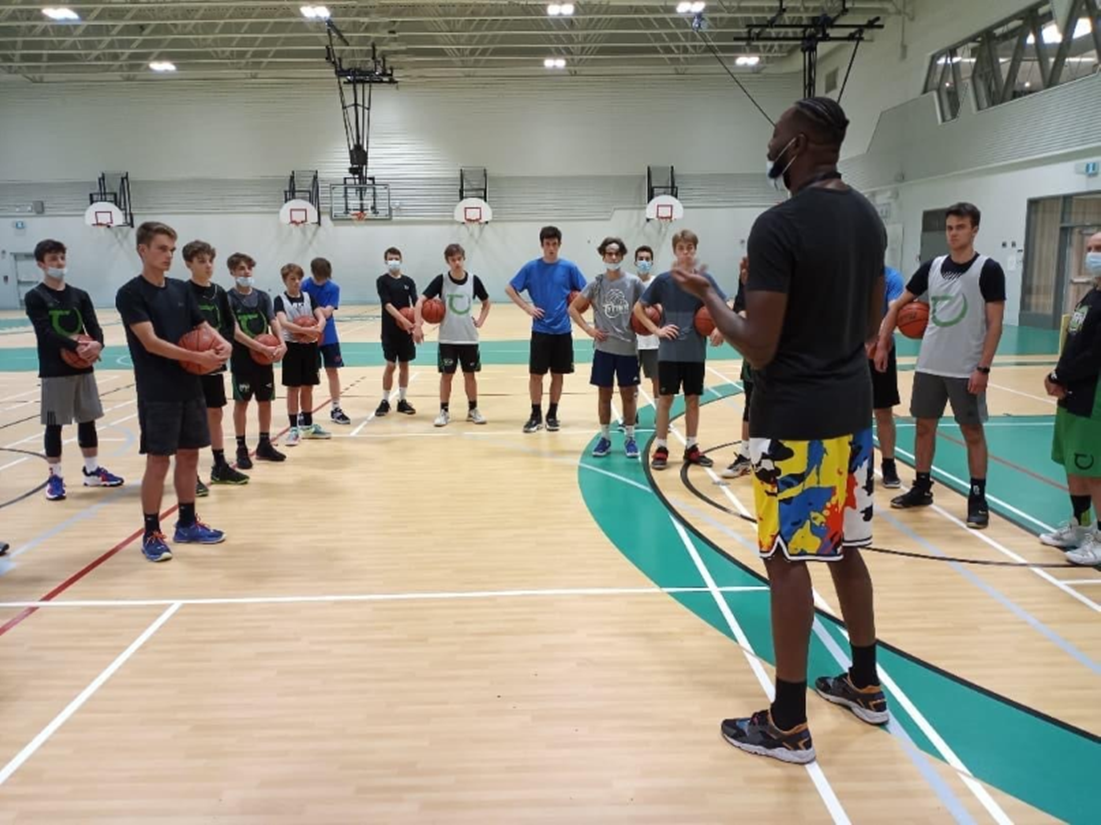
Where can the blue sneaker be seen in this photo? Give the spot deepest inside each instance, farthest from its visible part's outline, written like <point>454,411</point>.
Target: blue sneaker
<point>101,478</point>
<point>602,448</point>
<point>630,448</point>
<point>154,548</point>
<point>55,488</point>
<point>197,533</point>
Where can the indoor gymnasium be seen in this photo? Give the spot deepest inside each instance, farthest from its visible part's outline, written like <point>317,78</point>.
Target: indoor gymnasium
<point>502,412</point>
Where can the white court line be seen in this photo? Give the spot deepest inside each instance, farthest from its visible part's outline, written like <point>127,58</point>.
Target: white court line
<point>86,694</point>
<point>392,396</point>
<point>385,597</point>
<point>67,440</point>
<point>1080,582</point>
<point>909,425</point>
<point>1045,399</point>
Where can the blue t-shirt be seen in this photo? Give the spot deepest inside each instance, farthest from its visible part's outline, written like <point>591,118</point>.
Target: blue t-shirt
<point>326,294</point>
<point>549,286</point>
<point>893,287</point>
<point>679,308</point>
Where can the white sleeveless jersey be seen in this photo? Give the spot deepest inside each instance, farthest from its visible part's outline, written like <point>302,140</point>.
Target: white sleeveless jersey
<point>953,341</point>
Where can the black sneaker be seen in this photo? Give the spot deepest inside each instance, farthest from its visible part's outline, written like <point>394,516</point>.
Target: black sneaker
<point>891,481</point>
<point>380,411</point>
<point>693,455</point>
<point>243,460</point>
<point>660,459</point>
<point>553,425</point>
<point>869,704</point>
<point>267,452</point>
<point>224,474</point>
<point>914,497</point>
<point>978,513</point>
<point>337,416</point>
<point>757,735</point>
<point>4,547</point>
<point>406,408</point>
<point>201,490</point>
<point>534,424</point>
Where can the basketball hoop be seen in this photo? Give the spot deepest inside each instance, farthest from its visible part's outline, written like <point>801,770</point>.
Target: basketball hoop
<point>473,212</point>
<point>297,212</point>
<point>359,217</point>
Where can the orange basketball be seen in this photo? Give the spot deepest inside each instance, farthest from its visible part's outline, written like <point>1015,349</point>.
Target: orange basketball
<point>653,313</point>
<point>913,318</point>
<point>704,324</point>
<point>268,340</point>
<point>305,321</point>
<point>74,360</point>
<point>408,314</point>
<point>433,311</point>
<point>201,339</point>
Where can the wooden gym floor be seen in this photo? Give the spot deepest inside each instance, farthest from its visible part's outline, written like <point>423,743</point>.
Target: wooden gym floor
<point>477,625</point>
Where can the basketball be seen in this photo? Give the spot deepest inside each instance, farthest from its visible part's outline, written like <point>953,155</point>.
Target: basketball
<point>653,313</point>
<point>74,360</point>
<point>704,324</point>
<point>198,340</point>
<point>913,318</point>
<point>433,311</point>
<point>305,321</point>
<point>268,340</point>
<point>408,314</point>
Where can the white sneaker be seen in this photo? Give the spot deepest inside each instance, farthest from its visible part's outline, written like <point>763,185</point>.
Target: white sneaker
<point>475,417</point>
<point>1088,553</point>
<point>740,467</point>
<point>293,437</point>
<point>1067,537</point>
<point>443,419</point>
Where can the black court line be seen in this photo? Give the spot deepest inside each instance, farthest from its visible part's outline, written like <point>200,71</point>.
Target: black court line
<point>29,493</point>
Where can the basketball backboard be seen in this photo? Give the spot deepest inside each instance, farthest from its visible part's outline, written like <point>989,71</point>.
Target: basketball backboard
<point>104,215</point>
<point>297,212</point>
<point>360,202</point>
<point>473,211</point>
<point>664,208</point>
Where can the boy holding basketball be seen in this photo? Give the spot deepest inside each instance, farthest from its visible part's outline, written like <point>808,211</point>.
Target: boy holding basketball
<point>302,325</point>
<point>325,295</point>
<point>396,292</point>
<point>214,305</point>
<point>612,295</point>
<point>60,313</point>
<point>254,315</point>
<point>158,311</point>
<point>458,341</point>
<point>682,352</point>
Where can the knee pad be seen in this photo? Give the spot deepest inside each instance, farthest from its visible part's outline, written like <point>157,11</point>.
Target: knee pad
<point>53,440</point>
<point>86,435</point>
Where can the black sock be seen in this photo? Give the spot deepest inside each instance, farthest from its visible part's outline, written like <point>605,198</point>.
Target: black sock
<point>924,482</point>
<point>472,404</point>
<point>863,673</point>
<point>889,467</point>
<point>445,406</point>
<point>241,443</point>
<point>307,418</point>
<point>294,420</point>
<point>978,488</point>
<point>219,458</point>
<point>265,438</point>
<point>1081,507</point>
<point>187,514</point>
<point>536,411</point>
<point>552,410</point>
<point>152,524</point>
<point>790,707</point>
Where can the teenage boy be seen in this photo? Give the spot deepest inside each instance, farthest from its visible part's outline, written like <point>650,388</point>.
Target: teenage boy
<point>458,338</point>
<point>59,313</point>
<point>301,367</point>
<point>647,344</point>
<point>325,295</point>
<point>395,293</point>
<point>741,465</point>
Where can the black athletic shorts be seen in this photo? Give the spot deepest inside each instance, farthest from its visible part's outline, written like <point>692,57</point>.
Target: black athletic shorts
<point>551,353</point>
<point>673,375</point>
<point>330,356</point>
<point>214,390</point>
<point>885,384</point>
<point>455,355</point>
<point>256,381</point>
<point>747,387</point>
<point>398,348</point>
<point>170,426</point>
<point>301,366</point>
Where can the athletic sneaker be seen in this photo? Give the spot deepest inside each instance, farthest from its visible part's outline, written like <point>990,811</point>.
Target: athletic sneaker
<point>740,467</point>
<point>266,452</point>
<point>244,462</point>
<point>294,436</point>
<point>406,408</point>
<point>630,448</point>
<point>338,417</point>
<point>914,497</point>
<point>1089,552</point>
<point>153,547</point>
<point>978,513</point>
<point>693,455</point>
<point>533,424</point>
<point>224,474</point>
<point>198,533</point>
<point>201,490</point>
<point>443,419</point>
<point>55,488</point>
<point>475,416</point>
<point>757,735</point>
<point>553,425</point>
<point>1069,536</point>
<point>891,481</point>
<point>869,704</point>
<point>603,447</point>
<point>660,459</point>
<point>314,431</point>
<point>382,409</point>
<point>4,546</point>
<point>99,477</point>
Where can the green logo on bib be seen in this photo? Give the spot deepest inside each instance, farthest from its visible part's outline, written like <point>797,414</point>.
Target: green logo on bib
<point>458,304</point>
<point>935,304</point>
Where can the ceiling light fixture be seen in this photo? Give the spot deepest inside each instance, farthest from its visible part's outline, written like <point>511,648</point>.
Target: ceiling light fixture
<point>315,12</point>
<point>686,7</point>
<point>61,15</point>
<point>162,66</point>
<point>554,63</point>
<point>747,60</point>
<point>560,9</point>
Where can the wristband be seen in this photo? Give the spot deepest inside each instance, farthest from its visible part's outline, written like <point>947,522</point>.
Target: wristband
<point>984,370</point>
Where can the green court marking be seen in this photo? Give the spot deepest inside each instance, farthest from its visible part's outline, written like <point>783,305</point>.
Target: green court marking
<point>1015,341</point>
<point>1006,745</point>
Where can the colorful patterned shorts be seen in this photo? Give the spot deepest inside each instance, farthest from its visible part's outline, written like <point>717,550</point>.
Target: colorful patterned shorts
<point>813,498</point>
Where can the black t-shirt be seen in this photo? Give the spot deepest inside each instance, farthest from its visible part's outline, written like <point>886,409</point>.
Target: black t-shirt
<point>253,313</point>
<point>435,287</point>
<point>173,312</point>
<point>214,305</point>
<point>991,279</point>
<point>401,292</point>
<point>824,248</point>
<point>1080,362</point>
<point>57,316</point>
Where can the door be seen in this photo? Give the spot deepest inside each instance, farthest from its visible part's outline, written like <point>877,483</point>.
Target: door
<point>933,241</point>
<point>27,274</point>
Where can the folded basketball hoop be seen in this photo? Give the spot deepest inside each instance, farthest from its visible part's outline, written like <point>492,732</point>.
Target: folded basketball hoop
<point>104,215</point>
<point>664,208</point>
<point>298,212</point>
<point>471,211</point>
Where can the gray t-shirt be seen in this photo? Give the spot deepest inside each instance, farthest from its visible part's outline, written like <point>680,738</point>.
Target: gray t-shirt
<point>613,303</point>
<point>679,308</point>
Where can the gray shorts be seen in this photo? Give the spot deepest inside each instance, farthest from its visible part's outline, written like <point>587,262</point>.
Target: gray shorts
<point>70,398</point>
<point>932,392</point>
<point>648,360</point>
